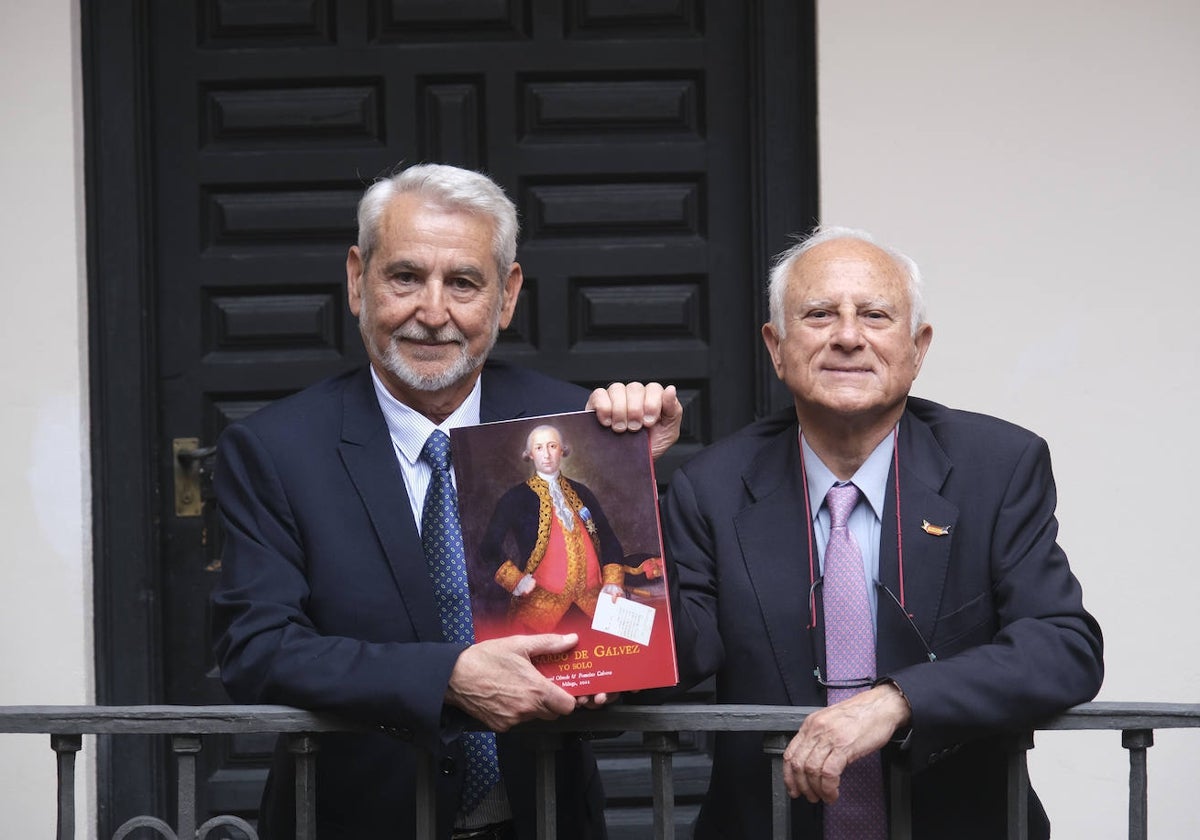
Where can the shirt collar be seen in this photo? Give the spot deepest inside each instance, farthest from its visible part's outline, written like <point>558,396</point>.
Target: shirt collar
<point>870,479</point>
<point>409,428</point>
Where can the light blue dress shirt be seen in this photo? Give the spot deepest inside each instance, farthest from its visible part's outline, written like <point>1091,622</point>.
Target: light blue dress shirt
<point>867,517</point>
<point>409,429</point>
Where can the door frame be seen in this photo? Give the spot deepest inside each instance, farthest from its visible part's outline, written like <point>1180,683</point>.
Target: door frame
<point>118,166</point>
<point>128,455</point>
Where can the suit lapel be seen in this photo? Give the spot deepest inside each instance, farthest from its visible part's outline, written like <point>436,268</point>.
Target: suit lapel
<point>773,536</point>
<point>498,399</point>
<point>367,452</point>
<point>924,467</point>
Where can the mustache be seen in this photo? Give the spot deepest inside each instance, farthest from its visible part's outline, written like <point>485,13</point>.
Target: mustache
<point>415,332</point>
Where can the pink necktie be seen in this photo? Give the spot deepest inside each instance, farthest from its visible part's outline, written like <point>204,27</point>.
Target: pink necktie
<point>859,811</point>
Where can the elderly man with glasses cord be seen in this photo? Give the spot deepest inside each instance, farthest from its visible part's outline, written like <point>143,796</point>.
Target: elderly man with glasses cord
<point>884,556</point>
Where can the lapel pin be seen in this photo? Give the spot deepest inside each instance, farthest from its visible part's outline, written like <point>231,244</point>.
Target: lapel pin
<point>935,530</point>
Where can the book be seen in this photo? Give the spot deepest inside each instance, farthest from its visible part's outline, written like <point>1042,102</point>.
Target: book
<point>561,533</point>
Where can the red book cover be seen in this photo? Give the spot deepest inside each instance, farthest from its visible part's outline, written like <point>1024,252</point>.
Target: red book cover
<point>561,531</point>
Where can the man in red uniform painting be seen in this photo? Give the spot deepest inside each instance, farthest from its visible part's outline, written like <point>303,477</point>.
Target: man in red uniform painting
<point>566,552</point>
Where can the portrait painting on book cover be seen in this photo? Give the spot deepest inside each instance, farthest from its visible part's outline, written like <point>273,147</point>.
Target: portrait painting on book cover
<point>561,533</point>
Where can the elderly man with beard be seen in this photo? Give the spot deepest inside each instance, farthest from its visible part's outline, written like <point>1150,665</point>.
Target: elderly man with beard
<point>328,598</point>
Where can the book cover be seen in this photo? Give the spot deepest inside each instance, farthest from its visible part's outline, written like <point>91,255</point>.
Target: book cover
<point>561,532</point>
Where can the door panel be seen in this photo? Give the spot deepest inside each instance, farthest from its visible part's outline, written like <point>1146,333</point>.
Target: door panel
<point>634,138</point>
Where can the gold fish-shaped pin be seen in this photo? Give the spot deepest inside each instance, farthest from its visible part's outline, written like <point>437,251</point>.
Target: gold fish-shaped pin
<point>935,530</point>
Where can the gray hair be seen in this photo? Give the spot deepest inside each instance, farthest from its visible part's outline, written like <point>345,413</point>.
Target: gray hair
<point>449,187</point>
<point>781,268</point>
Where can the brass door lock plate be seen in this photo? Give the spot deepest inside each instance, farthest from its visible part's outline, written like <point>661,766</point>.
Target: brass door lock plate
<point>188,498</point>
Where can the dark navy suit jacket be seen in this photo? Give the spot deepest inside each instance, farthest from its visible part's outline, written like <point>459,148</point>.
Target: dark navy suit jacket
<point>325,603</point>
<point>994,597</point>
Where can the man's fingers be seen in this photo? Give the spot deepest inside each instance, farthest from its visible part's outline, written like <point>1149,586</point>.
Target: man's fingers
<point>635,406</point>
<point>833,737</point>
<point>547,643</point>
<point>791,781</point>
<point>600,403</point>
<point>496,682</point>
<point>596,700</point>
<point>630,406</point>
<point>670,408</point>
<point>556,700</point>
<point>795,777</point>
<point>556,703</point>
<point>664,431</point>
<point>625,399</point>
<point>610,406</point>
<point>659,404</point>
<point>627,406</point>
<point>824,776</point>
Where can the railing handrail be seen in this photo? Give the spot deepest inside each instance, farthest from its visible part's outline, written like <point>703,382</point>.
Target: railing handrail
<point>238,719</point>
<point>169,720</point>
<point>67,725</point>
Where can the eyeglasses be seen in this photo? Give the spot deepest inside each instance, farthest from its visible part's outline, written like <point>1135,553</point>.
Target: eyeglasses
<point>888,616</point>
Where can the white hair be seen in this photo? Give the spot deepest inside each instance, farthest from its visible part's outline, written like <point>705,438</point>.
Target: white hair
<point>782,266</point>
<point>452,188</point>
<point>564,447</point>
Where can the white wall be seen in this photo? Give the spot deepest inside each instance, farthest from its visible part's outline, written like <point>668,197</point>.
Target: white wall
<point>45,570</point>
<point>1041,162</point>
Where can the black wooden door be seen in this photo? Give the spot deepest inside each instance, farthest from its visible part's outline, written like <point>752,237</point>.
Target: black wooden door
<point>634,137</point>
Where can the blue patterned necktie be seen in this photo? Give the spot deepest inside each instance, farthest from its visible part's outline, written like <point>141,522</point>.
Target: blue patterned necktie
<point>441,538</point>
<point>859,811</point>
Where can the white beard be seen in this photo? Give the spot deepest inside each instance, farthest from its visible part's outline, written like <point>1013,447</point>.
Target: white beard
<point>456,370</point>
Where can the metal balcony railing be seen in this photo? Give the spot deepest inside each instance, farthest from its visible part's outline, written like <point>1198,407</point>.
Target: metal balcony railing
<point>66,726</point>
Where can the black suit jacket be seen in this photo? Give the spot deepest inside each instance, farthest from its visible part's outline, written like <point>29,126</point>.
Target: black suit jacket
<point>325,603</point>
<point>994,597</point>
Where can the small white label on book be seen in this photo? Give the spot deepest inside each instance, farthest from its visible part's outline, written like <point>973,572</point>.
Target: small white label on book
<point>627,619</point>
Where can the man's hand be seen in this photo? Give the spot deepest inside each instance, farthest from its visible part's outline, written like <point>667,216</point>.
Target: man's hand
<point>628,407</point>
<point>524,586</point>
<point>496,683</point>
<point>613,590</point>
<point>596,700</point>
<point>835,736</point>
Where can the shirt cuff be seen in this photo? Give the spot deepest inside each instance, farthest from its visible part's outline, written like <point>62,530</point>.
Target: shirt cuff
<point>902,737</point>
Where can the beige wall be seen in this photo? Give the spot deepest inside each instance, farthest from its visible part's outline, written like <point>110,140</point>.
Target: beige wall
<point>1041,161</point>
<point>45,573</point>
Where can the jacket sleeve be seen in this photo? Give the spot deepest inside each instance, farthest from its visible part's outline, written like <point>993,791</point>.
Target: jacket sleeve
<point>269,648</point>
<point>1029,650</point>
<point>692,580</point>
<point>512,517</point>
